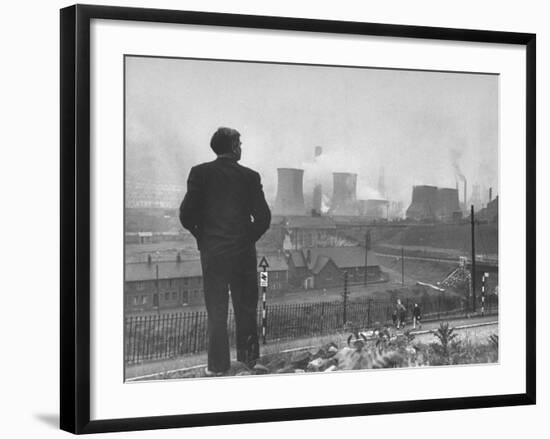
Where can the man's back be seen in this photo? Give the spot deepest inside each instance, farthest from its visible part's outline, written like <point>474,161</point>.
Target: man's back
<point>222,199</point>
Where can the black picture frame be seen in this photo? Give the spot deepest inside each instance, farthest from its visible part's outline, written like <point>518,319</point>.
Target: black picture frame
<point>75,216</point>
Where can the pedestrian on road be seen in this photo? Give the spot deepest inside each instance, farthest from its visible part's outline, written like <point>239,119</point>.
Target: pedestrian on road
<point>417,316</point>
<point>401,314</point>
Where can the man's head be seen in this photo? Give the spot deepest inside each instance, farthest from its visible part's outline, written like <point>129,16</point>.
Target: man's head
<point>226,142</point>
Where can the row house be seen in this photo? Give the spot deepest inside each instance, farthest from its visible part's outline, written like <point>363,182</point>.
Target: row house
<point>151,286</point>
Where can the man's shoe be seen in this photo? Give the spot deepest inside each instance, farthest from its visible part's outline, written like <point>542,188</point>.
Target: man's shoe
<point>210,373</point>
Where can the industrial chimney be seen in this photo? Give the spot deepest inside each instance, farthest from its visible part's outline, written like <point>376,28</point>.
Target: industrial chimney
<point>344,193</point>
<point>290,192</point>
<point>465,194</point>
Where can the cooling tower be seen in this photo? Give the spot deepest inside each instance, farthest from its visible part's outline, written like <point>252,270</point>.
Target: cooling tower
<point>424,203</point>
<point>447,204</point>
<point>344,193</point>
<point>290,192</point>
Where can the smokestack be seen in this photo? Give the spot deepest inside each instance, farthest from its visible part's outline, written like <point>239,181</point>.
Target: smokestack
<point>465,193</point>
<point>318,151</point>
<point>344,194</point>
<point>424,203</point>
<point>490,194</point>
<point>290,192</point>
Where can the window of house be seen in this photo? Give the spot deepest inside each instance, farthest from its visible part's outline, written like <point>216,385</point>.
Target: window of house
<point>136,300</point>
<point>174,295</point>
<point>185,296</point>
<point>166,296</point>
<point>140,286</point>
<point>143,300</point>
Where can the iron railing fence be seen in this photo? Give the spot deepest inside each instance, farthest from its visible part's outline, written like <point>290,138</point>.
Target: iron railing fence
<point>169,335</point>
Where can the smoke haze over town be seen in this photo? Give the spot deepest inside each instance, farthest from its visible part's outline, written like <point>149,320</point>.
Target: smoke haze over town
<point>420,127</point>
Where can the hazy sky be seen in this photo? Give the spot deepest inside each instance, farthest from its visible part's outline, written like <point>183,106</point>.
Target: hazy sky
<point>416,125</point>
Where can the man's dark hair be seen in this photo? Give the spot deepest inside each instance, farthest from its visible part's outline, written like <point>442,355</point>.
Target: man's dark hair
<point>223,140</point>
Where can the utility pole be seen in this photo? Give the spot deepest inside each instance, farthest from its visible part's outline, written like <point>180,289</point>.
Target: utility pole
<point>402,266</point>
<point>157,287</point>
<point>367,248</point>
<point>473,271</point>
<point>345,317</point>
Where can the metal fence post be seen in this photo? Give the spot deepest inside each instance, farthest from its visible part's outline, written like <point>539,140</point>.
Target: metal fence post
<point>345,298</point>
<point>196,329</point>
<point>368,313</point>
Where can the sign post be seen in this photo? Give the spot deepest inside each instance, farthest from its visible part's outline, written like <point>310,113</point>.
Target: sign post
<point>263,284</point>
<point>483,279</point>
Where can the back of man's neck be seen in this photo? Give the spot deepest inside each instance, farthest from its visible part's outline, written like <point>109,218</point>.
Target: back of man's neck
<point>228,155</point>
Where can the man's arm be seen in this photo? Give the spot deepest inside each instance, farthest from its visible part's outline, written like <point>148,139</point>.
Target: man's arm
<point>260,210</point>
<point>191,206</point>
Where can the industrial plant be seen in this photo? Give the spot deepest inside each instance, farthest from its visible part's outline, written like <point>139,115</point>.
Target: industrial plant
<point>428,203</point>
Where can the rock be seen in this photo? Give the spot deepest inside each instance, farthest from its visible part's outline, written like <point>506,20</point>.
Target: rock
<point>315,365</point>
<point>331,368</point>
<point>299,371</point>
<point>332,350</point>
<point>260,369</point>
<point>328,363</point>
<point>236,367</point>
<point>276,363</point>
<point>300,360</point>
<point>243,372</point>
<point>287,369</point>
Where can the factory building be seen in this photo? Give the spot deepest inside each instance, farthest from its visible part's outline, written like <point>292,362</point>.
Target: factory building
<point>374,209</point>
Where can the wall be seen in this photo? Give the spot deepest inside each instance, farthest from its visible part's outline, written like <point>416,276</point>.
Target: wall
<point>30,149</point>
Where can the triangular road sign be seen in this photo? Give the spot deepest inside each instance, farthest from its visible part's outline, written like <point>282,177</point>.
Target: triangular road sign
<point>263,263</point>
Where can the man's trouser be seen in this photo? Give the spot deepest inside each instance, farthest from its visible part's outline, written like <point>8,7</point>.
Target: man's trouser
<point>235,272</point>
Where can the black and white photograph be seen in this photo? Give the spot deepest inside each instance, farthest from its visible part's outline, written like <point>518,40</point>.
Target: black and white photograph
<point>284,218</point>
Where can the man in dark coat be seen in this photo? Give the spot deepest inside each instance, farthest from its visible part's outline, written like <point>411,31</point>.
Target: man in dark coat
<point>226,211</point>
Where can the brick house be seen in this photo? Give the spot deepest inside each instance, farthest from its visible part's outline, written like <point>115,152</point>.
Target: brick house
<point>324,267</point>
